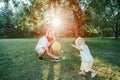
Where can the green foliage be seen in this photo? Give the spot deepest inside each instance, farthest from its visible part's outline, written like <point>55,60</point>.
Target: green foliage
<point>14,20</point>
<point>35,16</point>
<point>105,14</point>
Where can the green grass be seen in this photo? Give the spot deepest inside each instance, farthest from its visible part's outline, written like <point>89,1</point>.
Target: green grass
<point>19,61</point>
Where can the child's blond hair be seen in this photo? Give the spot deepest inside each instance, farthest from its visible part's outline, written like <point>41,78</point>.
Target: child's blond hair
<point>79,41</point>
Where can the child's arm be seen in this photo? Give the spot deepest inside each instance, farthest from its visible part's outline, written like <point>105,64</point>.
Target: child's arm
<point>76,47</point>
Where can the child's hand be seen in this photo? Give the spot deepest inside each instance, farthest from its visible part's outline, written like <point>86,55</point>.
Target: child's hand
<point>77,47</point>
<point>72,44</point>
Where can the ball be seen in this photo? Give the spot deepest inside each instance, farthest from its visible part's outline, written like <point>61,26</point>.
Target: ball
<point>56,46</point>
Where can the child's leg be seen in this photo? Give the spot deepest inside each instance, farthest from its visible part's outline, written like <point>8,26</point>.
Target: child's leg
<point>86,66</point>
<point>91,70</point>
<point>82,72</point>
<point>93,73</point>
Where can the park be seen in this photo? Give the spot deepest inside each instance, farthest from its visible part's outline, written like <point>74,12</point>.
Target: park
<point>24,22</point>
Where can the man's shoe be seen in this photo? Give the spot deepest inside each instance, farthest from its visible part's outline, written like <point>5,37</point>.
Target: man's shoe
<point>52,59</point>
<point>40,58</point>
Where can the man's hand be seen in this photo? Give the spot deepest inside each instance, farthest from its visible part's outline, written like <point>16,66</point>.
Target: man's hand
<point>51,42</point>
<point>55,57</point>
<point>60,55</point>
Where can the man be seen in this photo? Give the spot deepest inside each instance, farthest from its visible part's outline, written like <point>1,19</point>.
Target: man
<point>44,44</point>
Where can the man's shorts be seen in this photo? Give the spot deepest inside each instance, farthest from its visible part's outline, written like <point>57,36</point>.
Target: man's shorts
<point>86,66</point>
<point>39,50</point>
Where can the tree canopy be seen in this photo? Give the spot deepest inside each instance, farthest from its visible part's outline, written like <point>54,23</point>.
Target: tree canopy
<point>70,18</point>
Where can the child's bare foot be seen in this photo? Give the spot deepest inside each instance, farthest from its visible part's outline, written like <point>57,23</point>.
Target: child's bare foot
<point>93,74</point>
<point>82,73</point>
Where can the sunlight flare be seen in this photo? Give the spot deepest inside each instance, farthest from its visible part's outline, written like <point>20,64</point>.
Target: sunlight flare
<point>56,21</point>
<point>45,73</point>
<point>1,4</point>
<point>57,71</point>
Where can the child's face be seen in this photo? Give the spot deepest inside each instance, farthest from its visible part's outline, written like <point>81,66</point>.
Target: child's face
<point>79,42</point>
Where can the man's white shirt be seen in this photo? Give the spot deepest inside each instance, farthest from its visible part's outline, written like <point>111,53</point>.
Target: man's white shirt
<point>43,42</point>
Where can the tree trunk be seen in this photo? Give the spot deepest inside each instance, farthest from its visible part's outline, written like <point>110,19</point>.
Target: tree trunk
<point>116,32</point>
<point>102,35</point>
<point>116,35</point>
<point>76,24</point>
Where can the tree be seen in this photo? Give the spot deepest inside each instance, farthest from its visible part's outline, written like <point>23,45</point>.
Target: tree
<point>108,12</point>
<point>77,12</point>
<point>40,8</point>
<point>113,16</point>
<point>35,14</point>
<point>14,19</point>
<point>6,21</point>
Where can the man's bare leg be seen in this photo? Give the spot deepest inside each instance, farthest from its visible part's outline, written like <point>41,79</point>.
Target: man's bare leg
<point>50,54</point>
<point>41,54</point>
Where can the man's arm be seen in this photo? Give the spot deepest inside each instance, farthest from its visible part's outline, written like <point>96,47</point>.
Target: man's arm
<point>50,54</point>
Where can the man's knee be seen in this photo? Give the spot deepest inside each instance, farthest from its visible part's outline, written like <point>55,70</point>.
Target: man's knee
<point>41,52</point>
<point>46,48</point>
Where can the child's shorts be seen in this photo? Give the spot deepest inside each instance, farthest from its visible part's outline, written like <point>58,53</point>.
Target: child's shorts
<point>86,66</point>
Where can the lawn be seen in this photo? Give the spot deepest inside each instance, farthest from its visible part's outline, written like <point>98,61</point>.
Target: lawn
<point>19,61</point>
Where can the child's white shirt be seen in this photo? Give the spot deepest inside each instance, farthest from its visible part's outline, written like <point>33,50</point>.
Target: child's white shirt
<point>85,53</point>
<point>43,42</point>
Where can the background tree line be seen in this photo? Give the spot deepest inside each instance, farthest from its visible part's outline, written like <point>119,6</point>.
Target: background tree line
<point>31,18</point>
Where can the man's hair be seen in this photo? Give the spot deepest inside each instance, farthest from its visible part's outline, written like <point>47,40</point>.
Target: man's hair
<point>50,30</point>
